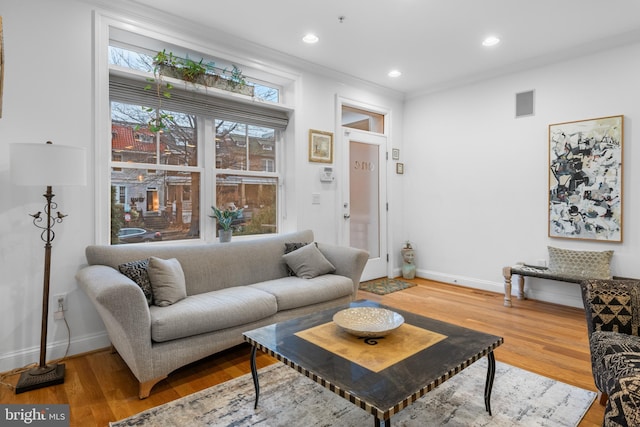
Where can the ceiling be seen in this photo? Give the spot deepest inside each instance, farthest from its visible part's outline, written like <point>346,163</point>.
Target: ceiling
<point>436,44</point>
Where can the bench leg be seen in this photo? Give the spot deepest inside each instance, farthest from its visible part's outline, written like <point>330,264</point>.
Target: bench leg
<point>506,272</point>
<point>520,282</point>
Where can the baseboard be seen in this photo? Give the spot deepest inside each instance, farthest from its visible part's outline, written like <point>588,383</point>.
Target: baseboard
<point>539,289</point>
<point>55,350</point>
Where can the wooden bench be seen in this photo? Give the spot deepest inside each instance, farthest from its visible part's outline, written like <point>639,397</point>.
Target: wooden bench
<point>522,270</point>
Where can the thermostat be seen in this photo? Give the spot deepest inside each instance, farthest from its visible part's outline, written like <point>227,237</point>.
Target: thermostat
<point>326,174</point>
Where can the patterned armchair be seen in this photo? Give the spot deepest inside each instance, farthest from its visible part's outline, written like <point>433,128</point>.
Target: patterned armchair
<point>612,309</point>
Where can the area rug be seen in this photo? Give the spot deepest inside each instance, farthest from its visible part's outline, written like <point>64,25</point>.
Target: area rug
<point>287,398</point>
<point>385,286</point>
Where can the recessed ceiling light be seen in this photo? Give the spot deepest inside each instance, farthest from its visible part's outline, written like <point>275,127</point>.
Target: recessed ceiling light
<point>490,41</point>
<point>394,73</point>
<point>310,38</point>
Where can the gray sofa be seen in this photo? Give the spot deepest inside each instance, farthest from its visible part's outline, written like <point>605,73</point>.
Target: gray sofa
<point>230,288</point>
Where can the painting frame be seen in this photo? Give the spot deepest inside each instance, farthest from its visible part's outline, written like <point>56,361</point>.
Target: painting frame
<point>585,198</point>
<point>320,146</point>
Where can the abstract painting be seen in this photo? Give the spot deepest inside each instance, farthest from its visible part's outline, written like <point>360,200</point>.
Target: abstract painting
<point>585,179</point>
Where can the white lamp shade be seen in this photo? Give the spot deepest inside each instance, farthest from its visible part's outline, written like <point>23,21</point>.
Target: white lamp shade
<point>47,164</point>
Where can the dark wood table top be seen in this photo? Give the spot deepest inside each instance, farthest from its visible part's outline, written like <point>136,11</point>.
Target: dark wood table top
<point>380,393</point>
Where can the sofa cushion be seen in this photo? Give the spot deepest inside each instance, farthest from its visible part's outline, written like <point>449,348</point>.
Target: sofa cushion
<point>585,264</point>
<point>167,281</point>
<point>137,271</point>
<point>609,353</point>
<point>308,262</point>
<point>623,405</point>
<point>294,292</point>
<point>211,311</point>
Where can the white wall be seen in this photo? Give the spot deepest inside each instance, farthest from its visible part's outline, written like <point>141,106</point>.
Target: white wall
<point>476,195</point>
<point>48,95</point>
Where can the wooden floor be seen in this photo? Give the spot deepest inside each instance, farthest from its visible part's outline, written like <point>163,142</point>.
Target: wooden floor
<point>547,339</point>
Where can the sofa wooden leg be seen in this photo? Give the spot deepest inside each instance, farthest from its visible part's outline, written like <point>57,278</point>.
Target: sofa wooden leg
<point>145,387</point>
<point>602,398</point>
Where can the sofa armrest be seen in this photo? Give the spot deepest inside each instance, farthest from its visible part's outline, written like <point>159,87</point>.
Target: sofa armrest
<point>349,262</point>
<point>611,305</point>
<point>124,312</point>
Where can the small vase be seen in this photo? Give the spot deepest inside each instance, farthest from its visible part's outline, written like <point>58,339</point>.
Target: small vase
<point>225,235</point>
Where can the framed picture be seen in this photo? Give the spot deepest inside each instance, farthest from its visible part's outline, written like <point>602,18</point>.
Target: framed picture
<point>399,168</point>
<point>320,146</point>
<point>395,154</point>
<point>585,179</point>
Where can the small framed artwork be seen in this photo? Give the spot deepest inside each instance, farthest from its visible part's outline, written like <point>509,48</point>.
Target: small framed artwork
<point>320,146</point>
<point>585,179</point>
<point>395,154</point>
<point>399,168</point>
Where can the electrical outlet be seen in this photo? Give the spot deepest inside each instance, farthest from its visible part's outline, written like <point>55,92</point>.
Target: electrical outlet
<point>59,306</point>
<point>60,302</point>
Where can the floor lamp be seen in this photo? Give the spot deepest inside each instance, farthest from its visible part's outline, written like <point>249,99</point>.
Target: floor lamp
<point>46,165</point>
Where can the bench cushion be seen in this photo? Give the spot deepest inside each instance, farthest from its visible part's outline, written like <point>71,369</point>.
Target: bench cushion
<point>211,311</point>
<point>293,292</point>
<point>581,264</point>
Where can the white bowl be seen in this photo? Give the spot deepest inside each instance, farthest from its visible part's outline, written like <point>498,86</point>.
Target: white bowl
<point>368,321</point>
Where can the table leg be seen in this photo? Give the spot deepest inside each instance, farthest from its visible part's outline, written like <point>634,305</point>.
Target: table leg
<point>382,423</point>
<point>506,272</point>
<point>254,374</point>
<point>491,373</point>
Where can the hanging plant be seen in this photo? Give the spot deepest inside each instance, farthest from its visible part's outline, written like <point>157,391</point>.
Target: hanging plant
<point>163,91</point>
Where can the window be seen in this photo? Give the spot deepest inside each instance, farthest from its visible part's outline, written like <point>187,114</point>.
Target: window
<point>122,194</point>
<point>356,118</point>
<point>159,175</point>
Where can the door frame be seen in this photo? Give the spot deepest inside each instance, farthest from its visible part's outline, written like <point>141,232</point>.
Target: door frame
<point>343,141</point>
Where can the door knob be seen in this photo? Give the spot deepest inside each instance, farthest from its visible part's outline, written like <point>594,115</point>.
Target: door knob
<point>347,216</point>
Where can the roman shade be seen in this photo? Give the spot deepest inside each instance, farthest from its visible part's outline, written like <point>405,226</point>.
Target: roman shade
<point>130,89</point>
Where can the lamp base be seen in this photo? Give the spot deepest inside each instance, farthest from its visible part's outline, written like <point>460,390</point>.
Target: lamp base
<point>40,377</point>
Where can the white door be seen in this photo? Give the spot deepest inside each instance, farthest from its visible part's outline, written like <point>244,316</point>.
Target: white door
<point>365,199</point>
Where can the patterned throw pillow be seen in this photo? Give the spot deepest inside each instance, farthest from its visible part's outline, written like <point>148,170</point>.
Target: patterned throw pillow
<point>137,271</point>
<point>586,264</point>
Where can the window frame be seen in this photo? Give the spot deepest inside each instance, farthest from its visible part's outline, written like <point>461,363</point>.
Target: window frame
<point>105,24</point>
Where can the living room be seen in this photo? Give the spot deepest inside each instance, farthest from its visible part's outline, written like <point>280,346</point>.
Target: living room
<point>473,196</point>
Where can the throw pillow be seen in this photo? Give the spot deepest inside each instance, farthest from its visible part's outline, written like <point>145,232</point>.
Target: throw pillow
<point>137,271</point>
<point>308,262</point>
<point>290,247</point>
<point>586,264</point>
<point>167,281</point>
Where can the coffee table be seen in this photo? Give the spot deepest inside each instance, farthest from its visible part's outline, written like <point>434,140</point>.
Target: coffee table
<point>424,353</point>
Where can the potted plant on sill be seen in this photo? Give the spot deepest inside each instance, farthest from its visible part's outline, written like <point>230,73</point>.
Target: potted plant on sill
<point>166,64</point>
<point>225,220</point>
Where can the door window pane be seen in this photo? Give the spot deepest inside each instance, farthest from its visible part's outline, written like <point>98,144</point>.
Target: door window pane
<point>365,195</point>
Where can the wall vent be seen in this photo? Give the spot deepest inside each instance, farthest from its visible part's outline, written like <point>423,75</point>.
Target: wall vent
<point>524,104</point>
